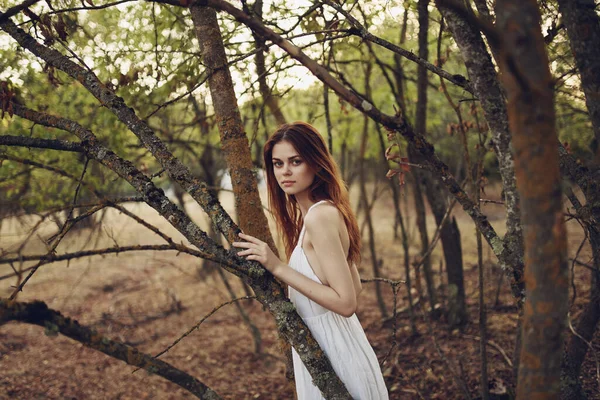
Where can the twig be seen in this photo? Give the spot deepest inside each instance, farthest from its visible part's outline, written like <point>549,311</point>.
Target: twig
<point>198,325</point>
<point>436,236</point>
<point>588,266</point>
<point>495,346</point>
<point>589,344</point>
<point>491,201</point>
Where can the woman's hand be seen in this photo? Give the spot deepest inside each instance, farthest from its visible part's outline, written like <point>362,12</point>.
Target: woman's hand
<point>259,251</point>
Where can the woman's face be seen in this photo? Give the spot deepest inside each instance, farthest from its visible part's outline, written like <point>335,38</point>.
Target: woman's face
<point>293,174</point>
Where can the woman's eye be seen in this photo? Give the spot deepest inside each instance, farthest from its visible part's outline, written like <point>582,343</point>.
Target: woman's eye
<point>297,162</point>
<point>278,164</point>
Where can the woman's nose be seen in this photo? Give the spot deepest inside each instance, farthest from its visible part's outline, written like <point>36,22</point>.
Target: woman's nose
<point>287,170</point>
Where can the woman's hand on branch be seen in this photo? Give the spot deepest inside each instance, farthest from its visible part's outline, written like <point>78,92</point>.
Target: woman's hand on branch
<point>258,250</point>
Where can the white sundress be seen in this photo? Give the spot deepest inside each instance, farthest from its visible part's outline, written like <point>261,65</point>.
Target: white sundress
<point>342,339</point>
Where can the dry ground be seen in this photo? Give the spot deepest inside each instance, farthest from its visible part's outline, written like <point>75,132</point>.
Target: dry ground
<point>149,299</point>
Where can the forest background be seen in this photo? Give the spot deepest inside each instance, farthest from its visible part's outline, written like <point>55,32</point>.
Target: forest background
<point>129,111</point>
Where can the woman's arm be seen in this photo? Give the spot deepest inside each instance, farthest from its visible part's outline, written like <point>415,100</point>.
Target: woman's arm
<point>322,225</point>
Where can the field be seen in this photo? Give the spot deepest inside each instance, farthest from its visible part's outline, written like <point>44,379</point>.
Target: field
<point>149,299</point>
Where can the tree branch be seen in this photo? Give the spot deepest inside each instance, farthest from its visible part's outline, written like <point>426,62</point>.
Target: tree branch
<point>52,258</point>
<point>361,31</point>
<point>16,9</point>
<point>38,313</point>
<point>52,144</point>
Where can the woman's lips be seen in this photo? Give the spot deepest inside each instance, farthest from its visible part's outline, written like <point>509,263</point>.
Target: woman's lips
<point>287,183</point>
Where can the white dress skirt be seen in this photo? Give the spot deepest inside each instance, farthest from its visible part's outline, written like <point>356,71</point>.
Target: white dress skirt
<point>342,339</point>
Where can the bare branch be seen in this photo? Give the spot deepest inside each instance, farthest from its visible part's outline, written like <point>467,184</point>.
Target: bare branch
<point>16,9</point>
<point>51,144</point>
<point>362,32</point>
<point>49,258</point>
<point>38,313</point>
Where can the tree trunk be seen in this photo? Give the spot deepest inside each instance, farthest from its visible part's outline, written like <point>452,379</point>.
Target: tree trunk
<point>421,127</point>
<point>532,120</point>
<point>234,142</point>
<point>261,70</point>
<point>486,87</point>
<point>366,205</point>
<point>423,235</point>
<point>583,28</point>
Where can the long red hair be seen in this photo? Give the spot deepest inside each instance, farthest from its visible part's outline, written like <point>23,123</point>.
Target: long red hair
<point>327,185</point>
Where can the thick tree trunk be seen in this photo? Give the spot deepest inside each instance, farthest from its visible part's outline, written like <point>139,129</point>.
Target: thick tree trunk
<point>234,142</point>
<point>583,28</point>
<point>531,111</point>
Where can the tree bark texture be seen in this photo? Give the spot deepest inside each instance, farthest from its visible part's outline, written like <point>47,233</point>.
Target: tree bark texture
<point>532,120</point>
<point>234,142</point>
<point>583,28</point>
<point>487,88</point>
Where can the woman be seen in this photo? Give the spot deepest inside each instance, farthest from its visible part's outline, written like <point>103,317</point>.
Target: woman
<point>322,242</point>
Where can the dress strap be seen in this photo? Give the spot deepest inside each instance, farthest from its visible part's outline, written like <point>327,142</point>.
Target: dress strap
<point>303,230</point>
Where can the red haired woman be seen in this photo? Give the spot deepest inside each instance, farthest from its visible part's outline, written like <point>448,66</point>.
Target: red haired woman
<point>322,242</point>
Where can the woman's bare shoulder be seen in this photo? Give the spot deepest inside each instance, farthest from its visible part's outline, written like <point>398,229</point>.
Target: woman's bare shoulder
<point>323,215</point>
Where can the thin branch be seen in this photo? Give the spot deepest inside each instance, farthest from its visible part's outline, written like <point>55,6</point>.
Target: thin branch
<point>197,325</point>
<point>49,258</point>
<point>56,241</point>
<point>56,170</point>
<point>496,346</point>
<point>362,32</point>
